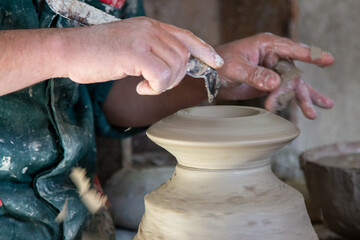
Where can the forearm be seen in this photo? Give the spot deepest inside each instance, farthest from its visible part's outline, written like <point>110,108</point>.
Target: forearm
<point>125,107</point>
<point>100,53</point>
<point>29,57</point>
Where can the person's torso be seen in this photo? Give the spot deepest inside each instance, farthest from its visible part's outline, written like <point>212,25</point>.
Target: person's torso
<point>45,130</point>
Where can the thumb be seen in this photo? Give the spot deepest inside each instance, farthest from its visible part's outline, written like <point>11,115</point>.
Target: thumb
<point>144,88</point>
<point>262,78</point>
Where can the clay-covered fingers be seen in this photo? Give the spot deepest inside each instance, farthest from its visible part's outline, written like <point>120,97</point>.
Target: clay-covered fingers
<point>197,47</point>
<point>304,94</point>
<point>297,88</point>
<point>258,77</point>
<point>262,78</point>
<point>288,49</point>
<point>278,98</point>
<point>239,70</point>
<point>319,99</point>
<point>304,100</point>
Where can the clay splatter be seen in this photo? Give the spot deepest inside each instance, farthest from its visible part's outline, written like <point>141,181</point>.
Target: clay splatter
<point>23,171</point>
<point>35,146</point>
<point>5,163</point>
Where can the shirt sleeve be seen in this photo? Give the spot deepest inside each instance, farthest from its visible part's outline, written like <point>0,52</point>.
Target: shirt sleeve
<point>98,93</point>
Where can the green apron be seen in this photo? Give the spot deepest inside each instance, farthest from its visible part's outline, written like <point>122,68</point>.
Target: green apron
<point>46,130</point>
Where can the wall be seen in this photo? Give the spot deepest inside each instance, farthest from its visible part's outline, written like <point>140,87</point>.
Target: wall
<point>199,16</point>
<point>219,21</point>
<point>334,26</point>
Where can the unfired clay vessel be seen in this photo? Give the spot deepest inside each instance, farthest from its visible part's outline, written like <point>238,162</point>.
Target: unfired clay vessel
<point>223,187</point>
<point>333,177</point>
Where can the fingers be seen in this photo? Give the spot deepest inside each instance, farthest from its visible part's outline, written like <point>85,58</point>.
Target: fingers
<point>277,100</point>
<point>157,75</point>
<point>239,70</point>
<point>262,78</point>
<point>304,100</point>
<point>172,47</point>
<point>174,54</point>
<point>197,47</point>
<point>305,95</point>
<point>165,50</point>
<point>270,60</point>
<point>319,99</point>
<point>288,49</point>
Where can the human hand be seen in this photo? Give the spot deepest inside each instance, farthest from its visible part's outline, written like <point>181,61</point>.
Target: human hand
<point>249,72</point>
<point>139,46</point>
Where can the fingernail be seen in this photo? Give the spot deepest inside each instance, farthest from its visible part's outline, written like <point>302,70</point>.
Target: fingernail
<point>304,45</point>
<point>142,90</point>
<point>170,87</point>
<point>272,82</point>
<point>329,55</point>
<point>139,89</point>
<point>330,103</point>
<point>311,115</point>
<point>309,111</point>
<point>219,61</point>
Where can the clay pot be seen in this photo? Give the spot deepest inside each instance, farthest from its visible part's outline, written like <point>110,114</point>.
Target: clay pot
<point>332,175</point>
<point>286,166</point>
<point>223,186</point>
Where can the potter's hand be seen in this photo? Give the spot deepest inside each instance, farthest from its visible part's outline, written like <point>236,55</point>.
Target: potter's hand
<point>136,47</point>
<point>249,72</point>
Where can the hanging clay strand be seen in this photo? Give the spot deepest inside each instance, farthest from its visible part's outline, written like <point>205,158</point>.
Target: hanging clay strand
<point>92,199</point>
